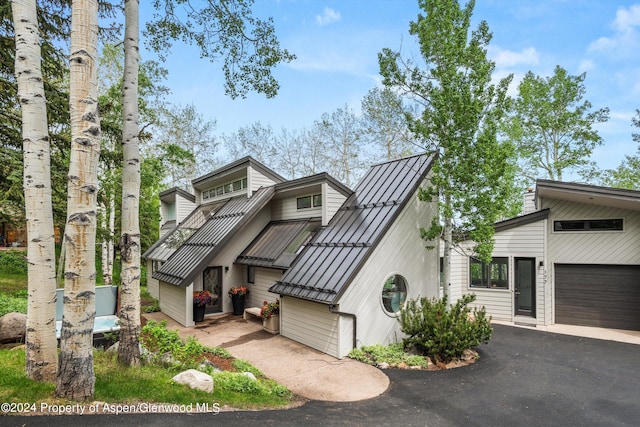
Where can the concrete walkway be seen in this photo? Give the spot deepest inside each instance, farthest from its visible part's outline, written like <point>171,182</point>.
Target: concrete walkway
<point>303,370</point>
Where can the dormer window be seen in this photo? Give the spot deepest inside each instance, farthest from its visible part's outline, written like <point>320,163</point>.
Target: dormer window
<point>308,202</point>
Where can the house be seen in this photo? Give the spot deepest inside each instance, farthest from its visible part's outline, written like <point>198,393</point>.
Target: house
<point>341,261</point>
<point>572,258</point>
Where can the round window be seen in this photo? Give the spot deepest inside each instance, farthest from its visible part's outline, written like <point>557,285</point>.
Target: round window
<point>394,293</point>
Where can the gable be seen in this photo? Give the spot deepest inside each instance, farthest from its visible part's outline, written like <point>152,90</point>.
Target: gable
<point>328,264</point>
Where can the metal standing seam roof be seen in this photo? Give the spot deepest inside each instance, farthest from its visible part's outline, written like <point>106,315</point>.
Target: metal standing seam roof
<point>328,264</point>
<point>172,240</point>
<point>196,252</point>
<point>277,245</point>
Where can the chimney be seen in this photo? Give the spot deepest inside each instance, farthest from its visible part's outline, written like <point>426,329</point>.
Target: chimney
<point>529,201</point>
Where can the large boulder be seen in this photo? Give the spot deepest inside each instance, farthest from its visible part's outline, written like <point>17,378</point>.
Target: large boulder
<point>195,379</point>
<point>13,327</point>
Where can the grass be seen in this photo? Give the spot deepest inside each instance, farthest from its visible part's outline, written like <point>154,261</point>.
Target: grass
<point>150,383</point>
<point>146,384</point>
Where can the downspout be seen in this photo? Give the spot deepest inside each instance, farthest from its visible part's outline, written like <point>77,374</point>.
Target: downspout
<point>355,322</point>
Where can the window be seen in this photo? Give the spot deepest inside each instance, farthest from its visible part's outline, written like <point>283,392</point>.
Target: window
<point>307,202</point>
<point>237,185</point>
<point>205,195</point>
<point>228,188</point>
<point>588,225</point>
<point>251,274</point>
<point>494,275</point>
<point>304,202</point>
<point>219,191</point>
<point>244,182</point>
<point>394,293</point>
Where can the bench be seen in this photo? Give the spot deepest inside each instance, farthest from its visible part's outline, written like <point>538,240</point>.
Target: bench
<point>252,311</point>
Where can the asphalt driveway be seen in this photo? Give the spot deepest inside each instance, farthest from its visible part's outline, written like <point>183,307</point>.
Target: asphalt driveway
<point>524,377</point>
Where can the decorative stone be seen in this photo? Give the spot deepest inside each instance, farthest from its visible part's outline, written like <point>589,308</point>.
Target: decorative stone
<point>195,379</point>
<point>383,365</point>
<point>13,327</point>
<point>250,375</point>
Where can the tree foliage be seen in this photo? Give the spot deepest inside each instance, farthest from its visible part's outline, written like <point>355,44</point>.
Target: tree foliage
<point>461,110</point>
<point>627,174</point>
<point>227,29</point>
<point>552,126</point>
<point>441,333</point>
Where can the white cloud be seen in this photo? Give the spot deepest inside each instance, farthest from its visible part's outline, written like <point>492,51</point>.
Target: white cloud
<point>626,40</point>
<point>627,20</point>
<point>586,65</point>
<point>328,16</point>
<point>508,58</point>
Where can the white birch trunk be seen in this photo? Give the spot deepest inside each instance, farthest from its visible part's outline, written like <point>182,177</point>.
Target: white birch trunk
<point>41,348</point>
<point>76,378</point>
<point>128,349</point>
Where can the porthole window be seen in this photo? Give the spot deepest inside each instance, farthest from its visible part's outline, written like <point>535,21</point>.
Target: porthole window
<point>394,293</point>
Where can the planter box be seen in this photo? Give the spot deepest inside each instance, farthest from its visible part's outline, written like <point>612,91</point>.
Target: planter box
<point>271,324</point>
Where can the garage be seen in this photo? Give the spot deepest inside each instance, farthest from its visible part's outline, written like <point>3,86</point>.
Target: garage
<point>605,296</point>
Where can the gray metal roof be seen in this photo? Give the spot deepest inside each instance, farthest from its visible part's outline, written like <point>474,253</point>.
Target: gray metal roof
<point>172,240</point>
<point>279,243</point>
<point>328,264</point>
<point>172,192</point>
<point>238,164</point>
<point>203,245</point>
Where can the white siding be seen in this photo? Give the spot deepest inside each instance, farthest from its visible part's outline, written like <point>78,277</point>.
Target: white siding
<point>173,303</point>
<point>311,324</point>
<point>525,241</point>
<point>401,251</point>
<point>332,201</point>
<point>153,285</point>
<point>259,291</point>
<point>183,208</point>
<point>285,209</point>
<point>601,247</point>
<point>256,180</point>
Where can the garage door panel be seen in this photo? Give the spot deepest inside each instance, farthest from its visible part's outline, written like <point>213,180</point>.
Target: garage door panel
<point>598,295</point>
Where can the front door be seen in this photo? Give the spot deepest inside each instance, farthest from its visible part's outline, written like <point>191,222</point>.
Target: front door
<point>525,287</point>
<point>212,282</point>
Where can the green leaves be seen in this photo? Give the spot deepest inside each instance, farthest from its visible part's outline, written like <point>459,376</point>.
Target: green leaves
<point>552,126</point>
<point>461,112</point>
<point>222,29</point>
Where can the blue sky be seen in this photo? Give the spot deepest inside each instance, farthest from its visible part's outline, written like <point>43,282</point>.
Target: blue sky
<point>337,43</point>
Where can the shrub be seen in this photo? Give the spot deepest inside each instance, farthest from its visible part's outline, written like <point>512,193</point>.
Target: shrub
<point>9,304</point>
<point>13,262</point>
<point>393,354</point>
<point>444,333</point>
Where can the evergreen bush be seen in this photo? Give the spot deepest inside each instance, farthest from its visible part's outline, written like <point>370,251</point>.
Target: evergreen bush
<point>441,332</point>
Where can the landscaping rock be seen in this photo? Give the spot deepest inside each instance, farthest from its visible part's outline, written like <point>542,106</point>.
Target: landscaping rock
<point>250,375</point>
<point>383,365</point>
<point>13,327</point>
<point>195,379</point>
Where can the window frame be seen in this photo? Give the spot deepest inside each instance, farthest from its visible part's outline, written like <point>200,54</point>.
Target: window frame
<point>588,225</point>
<point>385,295</point>
<point>487,281</point>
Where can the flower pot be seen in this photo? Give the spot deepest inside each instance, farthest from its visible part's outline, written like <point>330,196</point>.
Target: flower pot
<point>272,324</point>
<point>198,312</point>
<point>238,304</point>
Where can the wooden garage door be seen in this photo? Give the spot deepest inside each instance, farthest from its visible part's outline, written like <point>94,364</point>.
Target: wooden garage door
<point>606,296</point>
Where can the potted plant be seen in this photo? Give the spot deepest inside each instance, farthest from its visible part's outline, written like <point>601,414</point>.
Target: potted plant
<point>270,313</point>
<point>200,301</point>
<point>238,294</point>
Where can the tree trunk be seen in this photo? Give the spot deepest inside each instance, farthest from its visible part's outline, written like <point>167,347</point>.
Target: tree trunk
<point>446,253</point>
<point>128,349</point>
<point>41,348</point>
<point>76,378</point>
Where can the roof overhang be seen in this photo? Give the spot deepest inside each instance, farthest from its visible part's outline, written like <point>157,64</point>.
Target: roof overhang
<point>588,194</point>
